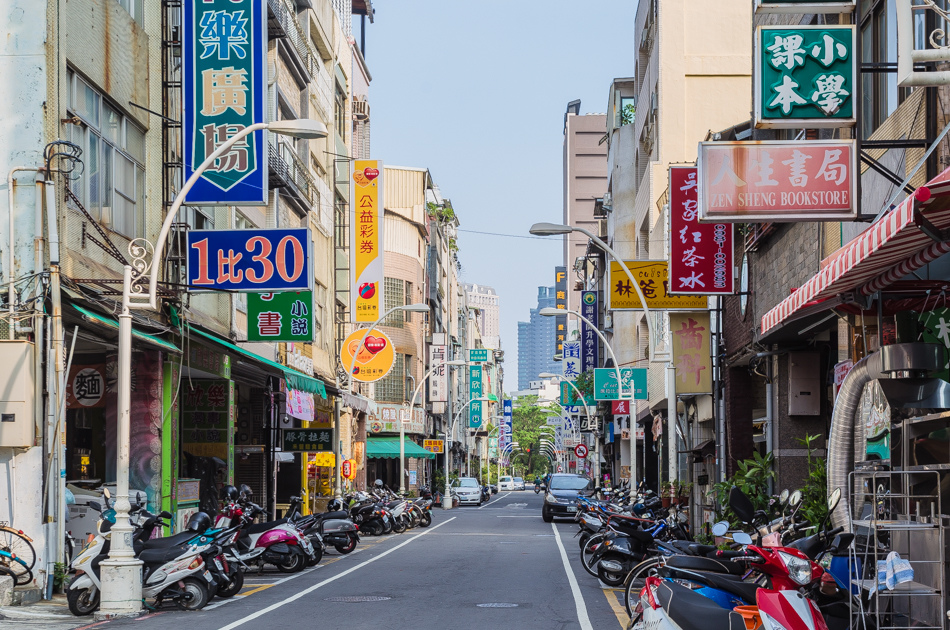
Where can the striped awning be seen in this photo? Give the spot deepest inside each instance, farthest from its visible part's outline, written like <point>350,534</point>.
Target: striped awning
<point>891,248</point>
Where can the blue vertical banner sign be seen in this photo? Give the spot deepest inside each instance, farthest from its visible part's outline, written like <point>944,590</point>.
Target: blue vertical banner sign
<point>224,89</point>
<point>475,391</point>
<point>590,343</point>
<point>506,427</point>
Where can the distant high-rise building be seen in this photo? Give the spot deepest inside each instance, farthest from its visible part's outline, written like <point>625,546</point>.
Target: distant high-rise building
<point>486,300</point>
<point>536,342</point>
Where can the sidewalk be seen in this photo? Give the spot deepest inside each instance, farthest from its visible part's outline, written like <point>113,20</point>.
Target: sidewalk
<point>53,614</point>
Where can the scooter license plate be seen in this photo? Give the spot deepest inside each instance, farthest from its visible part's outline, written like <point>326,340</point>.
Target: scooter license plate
<point>209,577</point>
<point>571,508</point>
<point>218,564</point>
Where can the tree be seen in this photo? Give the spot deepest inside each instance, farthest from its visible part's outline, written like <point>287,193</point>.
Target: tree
<point>527,418</point>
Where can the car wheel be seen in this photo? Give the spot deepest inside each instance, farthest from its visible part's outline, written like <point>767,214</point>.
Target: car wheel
<point>546,516</point>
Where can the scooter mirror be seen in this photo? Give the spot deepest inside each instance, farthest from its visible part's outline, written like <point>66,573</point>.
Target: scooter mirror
<point>720,528</point>
<point>783,498</point>
<point>95,506</point>
<point>106,493</point>
<point>795,499</point>
<point>834,498</point>
<point>742,538</point>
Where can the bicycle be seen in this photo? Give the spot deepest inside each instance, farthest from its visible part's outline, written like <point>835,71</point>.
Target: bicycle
<point>18,544</point>
<point>16,568</point>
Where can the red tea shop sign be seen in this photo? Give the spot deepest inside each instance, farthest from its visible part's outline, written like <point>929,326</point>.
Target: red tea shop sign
<point>701,254</point>
<point>776,181</point>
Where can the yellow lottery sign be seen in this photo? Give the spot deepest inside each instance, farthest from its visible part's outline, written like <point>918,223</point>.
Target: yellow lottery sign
<point>373,360</point>
<point>653,278</point>
<point>366,241</point>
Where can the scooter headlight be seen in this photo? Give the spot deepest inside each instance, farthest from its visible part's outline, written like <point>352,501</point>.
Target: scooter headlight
<point>798,569</point>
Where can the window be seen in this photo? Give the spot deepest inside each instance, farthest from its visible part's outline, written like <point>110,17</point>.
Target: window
<point>409,300</point>
<point>136,9</point>
<point>394,295</point>
<point>392,387</point>
<point>880,94</point>
<point>339,113</point>
<point>112,185</point>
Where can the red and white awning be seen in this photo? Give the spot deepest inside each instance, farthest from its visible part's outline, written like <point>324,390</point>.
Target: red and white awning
<point>887,251</point>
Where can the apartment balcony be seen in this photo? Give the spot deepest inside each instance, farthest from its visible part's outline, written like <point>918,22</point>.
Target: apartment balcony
<point>282,23</point>
<point>288,171</point>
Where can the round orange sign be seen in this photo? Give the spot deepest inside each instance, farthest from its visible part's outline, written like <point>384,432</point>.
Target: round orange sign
<point>373,360</point>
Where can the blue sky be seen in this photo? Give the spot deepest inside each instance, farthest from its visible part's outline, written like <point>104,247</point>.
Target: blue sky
<point>476,92</point>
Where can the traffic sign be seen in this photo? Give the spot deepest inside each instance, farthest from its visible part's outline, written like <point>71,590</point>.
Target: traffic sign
<point>581,451</point>
<point>560,469</point>
<point>478,355</point>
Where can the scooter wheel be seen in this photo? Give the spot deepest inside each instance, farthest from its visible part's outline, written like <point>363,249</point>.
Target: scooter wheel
<point>293,562</point>
<point>376,529</point>
<point>194,595</point>
<point>611,578</point>
<point>426,520</point>
<point>399,526</point>
<point>82,602</point>
<point>317,555</point>
<point>635,582</point>
<point>234,586</point>
<point>583,540</point>
<point>348,547</point>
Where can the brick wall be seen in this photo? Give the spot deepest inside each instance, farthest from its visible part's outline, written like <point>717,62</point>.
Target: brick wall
<point>783,262</point>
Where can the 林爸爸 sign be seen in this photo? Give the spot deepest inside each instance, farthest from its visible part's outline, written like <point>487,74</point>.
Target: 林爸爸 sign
<point>280,316</point>
<point>634,383</point>
<point>805,76</point>
<point>249,261</point>
<point>224,88</point>
<point>776,181</point>
<point>366,241</point>
<point>701,254</point>
<point>652,276</point>
<point>433,446</point>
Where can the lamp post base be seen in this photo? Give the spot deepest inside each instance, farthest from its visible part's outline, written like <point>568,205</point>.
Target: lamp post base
<point>447,502</point>
<point>121,589</point>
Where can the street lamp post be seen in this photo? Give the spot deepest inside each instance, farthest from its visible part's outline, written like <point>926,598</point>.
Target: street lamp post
<point>446,497</point>
<point>412,404</point>
<point>580,396</point>
<point>121,572</point>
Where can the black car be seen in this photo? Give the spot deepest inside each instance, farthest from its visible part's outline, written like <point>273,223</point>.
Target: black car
<point>560,497</point>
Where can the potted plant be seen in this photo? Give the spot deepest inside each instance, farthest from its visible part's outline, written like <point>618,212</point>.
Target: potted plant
<point>666,493</point>
<point>685,489</point>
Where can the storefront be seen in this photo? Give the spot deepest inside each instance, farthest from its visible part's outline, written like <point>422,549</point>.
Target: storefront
<point>383,439</point>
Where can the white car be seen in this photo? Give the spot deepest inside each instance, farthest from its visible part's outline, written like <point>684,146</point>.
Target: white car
<point>468,491</point>
<point>505,483</point>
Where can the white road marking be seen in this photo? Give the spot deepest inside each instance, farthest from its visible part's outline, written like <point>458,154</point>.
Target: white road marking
<point>307,591</point>
<point>512,516</point>
<point>579,603</point>
<point>498,498</point>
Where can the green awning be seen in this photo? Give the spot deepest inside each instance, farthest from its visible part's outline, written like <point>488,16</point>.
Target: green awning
<point>388,447</point>
<point>108,322</point>
<point>295,380</point>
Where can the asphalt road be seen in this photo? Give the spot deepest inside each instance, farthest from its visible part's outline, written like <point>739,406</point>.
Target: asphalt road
<point>495,566</point>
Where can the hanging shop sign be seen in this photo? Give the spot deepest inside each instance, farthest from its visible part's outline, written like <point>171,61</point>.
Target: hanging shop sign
<point>620,407</point>
<point>439,380</point>
<point>478,355</point>
<point>560,301</point>
<point>571,359</point>
<point>701,254</point>
<point>935,328</point>
<point>375,357</point>
<point>307,440</point>
<point>475,412</point>
<point>366,241</point>
<point>777,181</point>
<point>249,260</point>
<point>208,360</point>
<point>300,405</point>
<point>569,397</point>
<point>653,278</point>
<point>590,344</point>
<point>804,7</point>
<point>433,446</point>
<point>805,76</point>
<point>390,416</point>
<point>691,342</point>
<point>506,422</point>
<point>348,469</point>
<point>207,418</point>
<point>280,316</point>
<point>605,383</point>
<point>86,386</point>
<point>224,90</point>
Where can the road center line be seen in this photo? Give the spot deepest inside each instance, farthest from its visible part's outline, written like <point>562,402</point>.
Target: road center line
<point>307,591</point>
<point>579,603</point>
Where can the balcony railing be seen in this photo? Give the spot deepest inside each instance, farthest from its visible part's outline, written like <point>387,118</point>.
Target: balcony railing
<point>297,171</point>
<point>283,23</point>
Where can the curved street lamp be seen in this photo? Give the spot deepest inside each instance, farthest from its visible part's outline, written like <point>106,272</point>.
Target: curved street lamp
<point>446,497</point>
<point>121,572</point>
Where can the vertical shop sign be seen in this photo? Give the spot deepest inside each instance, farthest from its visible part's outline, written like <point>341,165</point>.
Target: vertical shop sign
<point>701,254</point>
<point>691,341</point>
<point>475,391</point>
<point>224,89</point>
<point>590,344</point>
<point>207,421</point>
<point>280,316</point>
<point>805,76</point>
<point>439,381</point>
<point>935,326</point>
<point>571,359</point>
<point>366,241</point>
<point>506,425</point>
<point>560,301</point>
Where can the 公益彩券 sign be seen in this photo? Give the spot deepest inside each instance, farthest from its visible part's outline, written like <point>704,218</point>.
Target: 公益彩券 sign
<point>366,241</point>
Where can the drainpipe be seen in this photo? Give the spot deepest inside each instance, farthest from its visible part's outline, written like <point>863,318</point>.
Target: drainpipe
<point>57,348</point>
<point>11,183</point>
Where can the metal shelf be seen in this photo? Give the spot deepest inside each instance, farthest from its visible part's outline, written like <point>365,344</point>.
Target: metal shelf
<point>893,525</point>
<point>904,588</point>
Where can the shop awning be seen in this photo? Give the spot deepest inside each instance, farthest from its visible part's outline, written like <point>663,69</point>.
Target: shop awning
<point>109,322</point>
<point>388,447</point>
<point>903,240</point>
<point>294,379</point>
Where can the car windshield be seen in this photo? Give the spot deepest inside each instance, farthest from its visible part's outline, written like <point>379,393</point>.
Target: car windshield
<point>569,483</point>
<point>505,479</point>
<point>519,479</point>
<point>468,483</point>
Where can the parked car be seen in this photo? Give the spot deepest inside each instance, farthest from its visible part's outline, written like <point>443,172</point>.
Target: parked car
<point>468,491</point>
<point>506,483</point>
<point>519,483</point>
<point>560,497</point>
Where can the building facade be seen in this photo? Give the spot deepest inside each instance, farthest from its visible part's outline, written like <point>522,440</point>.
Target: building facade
<point>486,301</point>
<point>536,341</point>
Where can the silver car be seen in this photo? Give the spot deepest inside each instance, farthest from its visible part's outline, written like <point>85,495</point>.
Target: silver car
<point>468,491</point>
<point>519,483</point>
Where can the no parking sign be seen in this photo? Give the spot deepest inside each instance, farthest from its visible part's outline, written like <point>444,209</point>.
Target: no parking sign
<point>581,451</point>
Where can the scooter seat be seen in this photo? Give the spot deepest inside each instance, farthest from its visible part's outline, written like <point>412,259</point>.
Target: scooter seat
<point>711,565</point>
<point>160,555</point>
<point>745,591</point>
<point>328,515</point>
<point>692,611</point>
<point>682,545</point>
<point>695,549</point>
<point>174,540</point>
<point>257,528</point>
